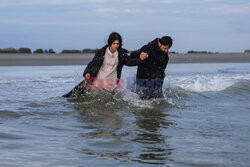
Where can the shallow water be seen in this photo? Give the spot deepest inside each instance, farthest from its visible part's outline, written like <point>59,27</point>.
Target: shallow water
<point>203,120</point>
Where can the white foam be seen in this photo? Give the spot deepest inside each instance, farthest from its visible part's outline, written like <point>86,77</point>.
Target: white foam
<point>37,80</point>
<point>202,83</point>
<point>133,99</point>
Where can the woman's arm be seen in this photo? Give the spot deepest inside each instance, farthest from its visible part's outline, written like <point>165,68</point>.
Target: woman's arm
<point>92,66</point>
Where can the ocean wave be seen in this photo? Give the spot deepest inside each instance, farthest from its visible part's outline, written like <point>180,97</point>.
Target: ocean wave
<point>5,114</point>
<point>233,70</point>
<point>201,83</point>
<point>9,136</point>
<point>20,81</point>
<point>112,100</point>
<point>175,92</point>
<point>62,80</point>
<point>242,86</point>
<point>60,77</point>
<point>132,100</point>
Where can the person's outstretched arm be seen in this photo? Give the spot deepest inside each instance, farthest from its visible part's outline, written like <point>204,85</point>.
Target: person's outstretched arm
<point>136,54</point>
<point>130,61</point>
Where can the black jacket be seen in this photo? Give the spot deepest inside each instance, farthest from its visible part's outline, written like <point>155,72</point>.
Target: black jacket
<point>154,66</point>
<point>123,59</point>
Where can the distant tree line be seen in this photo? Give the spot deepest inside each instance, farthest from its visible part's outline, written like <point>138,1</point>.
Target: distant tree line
<point>25,50</point>
<point>173,52</point>
<point>12,50</point>
<point>51,51</point>
<point>203,52</point>
<point>89,50</point>
<point>44,51</point>
<point>28,50</point>
<point>79,51</point>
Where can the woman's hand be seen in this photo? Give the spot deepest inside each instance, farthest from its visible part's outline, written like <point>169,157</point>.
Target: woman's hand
<point>87,76</point>
<point>143,55</point>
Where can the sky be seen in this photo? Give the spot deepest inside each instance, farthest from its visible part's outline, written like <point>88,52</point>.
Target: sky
<point>201,25</point>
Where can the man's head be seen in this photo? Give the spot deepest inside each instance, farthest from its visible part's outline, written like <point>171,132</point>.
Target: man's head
<point>165,43</point>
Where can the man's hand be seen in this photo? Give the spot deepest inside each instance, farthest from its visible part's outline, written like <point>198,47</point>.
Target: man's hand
<point>143,55</point>
<point>87,76</point>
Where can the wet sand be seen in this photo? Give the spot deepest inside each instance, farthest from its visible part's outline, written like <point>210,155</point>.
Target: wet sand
<point>83,59</point>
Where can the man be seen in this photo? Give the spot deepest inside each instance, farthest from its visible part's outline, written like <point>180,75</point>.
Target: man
<point>150,74</point>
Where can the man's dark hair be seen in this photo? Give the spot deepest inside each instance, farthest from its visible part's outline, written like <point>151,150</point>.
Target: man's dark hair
<point>115,36</point>
<point>166,40</point>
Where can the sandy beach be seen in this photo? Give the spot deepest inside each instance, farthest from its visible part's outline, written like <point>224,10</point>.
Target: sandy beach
<point>83,59</point>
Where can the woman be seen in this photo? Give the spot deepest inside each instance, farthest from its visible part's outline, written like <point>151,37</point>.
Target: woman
<point>104,71</point>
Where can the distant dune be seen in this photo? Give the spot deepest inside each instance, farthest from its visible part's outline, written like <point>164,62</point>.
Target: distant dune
<point>83,59</point>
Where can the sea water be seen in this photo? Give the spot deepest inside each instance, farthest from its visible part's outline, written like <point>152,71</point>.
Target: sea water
<point>204,119</point>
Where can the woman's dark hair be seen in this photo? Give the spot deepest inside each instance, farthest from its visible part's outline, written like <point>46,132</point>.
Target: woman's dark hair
<point>166,40</point>
<point>115,36</point>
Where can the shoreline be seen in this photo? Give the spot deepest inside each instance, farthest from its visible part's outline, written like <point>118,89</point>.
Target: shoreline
<point>83,59</point>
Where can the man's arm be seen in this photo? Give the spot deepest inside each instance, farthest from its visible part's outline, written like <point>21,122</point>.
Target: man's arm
<point>137,53</point>
<point>129,61</point>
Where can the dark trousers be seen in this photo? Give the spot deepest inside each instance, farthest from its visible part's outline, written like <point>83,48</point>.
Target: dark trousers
<point>149,88</point>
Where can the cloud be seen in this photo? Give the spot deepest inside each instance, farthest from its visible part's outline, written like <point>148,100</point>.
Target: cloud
<point>17,21</point>
<point>127,11</point>
<point>85,24</point>
<point>48,23</point>
<point>227,9</point>
<point>135,1</point>
<point>13,3</point>
<point>104,10</point>
<point>172,1</point>
<point>175,11</point>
